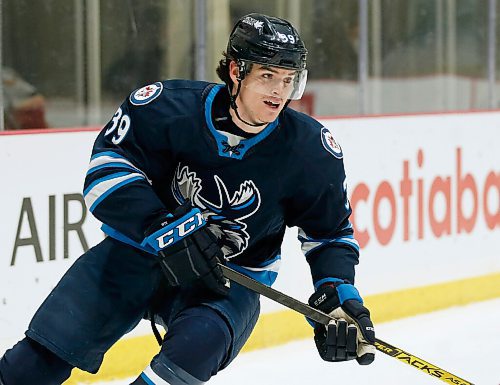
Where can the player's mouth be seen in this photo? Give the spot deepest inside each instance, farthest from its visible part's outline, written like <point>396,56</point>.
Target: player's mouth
<point>273,103</point>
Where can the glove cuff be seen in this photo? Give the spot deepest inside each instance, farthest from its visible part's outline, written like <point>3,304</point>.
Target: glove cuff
<point>176,230</point>
<point>321,282</point>
<point>345,289</point>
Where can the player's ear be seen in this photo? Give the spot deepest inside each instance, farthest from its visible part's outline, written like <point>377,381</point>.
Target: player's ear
<point>233,71</point>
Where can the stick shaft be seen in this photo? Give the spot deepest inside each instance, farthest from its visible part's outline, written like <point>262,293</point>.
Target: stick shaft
<point>320,317</point>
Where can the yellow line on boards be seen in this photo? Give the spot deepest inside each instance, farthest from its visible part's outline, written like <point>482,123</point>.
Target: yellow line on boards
<point>128,357</point>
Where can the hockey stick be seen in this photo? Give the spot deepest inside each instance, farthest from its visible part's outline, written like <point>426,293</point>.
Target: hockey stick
<point>323,318</point>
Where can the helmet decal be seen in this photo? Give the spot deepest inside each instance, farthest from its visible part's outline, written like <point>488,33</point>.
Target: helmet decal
<point>259,25</point>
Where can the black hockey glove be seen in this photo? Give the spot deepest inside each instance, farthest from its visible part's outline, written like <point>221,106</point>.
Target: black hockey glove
<point>187,250</point>
<point>352,334</point>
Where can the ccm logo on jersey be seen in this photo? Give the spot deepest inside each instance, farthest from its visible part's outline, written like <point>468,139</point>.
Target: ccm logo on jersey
<point>146,94</point>
<point>330,144</point>
<point>175,231</point>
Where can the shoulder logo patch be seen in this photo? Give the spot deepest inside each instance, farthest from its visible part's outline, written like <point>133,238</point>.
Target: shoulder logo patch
<point>146,94</point>
<point>330,144</point>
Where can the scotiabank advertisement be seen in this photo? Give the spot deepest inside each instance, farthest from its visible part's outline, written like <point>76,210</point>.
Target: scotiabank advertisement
<point>425,191</point>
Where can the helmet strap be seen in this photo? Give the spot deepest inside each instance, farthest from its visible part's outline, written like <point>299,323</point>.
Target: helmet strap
<point>232,98</point>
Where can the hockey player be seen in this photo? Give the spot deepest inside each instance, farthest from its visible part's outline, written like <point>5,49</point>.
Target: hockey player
<point>185,175</point>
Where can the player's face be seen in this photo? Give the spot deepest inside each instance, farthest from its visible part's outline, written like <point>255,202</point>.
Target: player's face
<point>264,92</point>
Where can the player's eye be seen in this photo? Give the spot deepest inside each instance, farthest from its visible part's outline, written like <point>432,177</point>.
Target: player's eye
<point>267,76</point>
<point>287,80</point>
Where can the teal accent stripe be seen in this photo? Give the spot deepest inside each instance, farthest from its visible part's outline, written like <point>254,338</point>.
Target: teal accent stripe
<point>219,138</point>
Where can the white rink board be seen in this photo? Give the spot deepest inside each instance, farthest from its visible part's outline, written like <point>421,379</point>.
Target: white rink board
<point>35,167</point>
<point>38,166</point>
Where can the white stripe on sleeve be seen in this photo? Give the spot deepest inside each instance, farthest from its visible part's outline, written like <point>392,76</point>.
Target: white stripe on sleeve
<point>104,188</point>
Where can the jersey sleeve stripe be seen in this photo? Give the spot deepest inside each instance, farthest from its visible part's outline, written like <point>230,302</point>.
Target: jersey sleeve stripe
<point>111,154</point>
<point>111,159</point>
<point>310,244</point>
<point>347,227</point>
<point>309,247</point>
<point>111,165</point>
<point>104,178</point>
<point>303,237</point>
<point>101,188</point>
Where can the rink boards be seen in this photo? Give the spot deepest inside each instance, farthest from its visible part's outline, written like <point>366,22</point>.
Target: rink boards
<point>425,190</point>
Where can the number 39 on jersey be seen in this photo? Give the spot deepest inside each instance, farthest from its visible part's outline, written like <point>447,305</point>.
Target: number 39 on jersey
<point>121,123</point>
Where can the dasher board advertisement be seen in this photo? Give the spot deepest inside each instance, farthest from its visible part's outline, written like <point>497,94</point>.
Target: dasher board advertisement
<point>425,193</point>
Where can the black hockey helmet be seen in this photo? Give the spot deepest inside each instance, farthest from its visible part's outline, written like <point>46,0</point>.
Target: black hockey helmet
<point>267,40</point>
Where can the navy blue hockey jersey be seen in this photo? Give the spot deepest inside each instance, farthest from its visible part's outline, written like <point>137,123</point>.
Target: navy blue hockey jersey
<point>163,146</point>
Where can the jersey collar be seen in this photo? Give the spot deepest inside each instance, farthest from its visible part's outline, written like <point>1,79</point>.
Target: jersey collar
<point>222,140</point>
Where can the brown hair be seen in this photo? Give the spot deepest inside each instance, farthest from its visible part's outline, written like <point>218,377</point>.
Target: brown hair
<point>223,70</point>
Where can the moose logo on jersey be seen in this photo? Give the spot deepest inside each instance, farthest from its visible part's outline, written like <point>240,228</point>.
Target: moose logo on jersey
<point>224,218</point>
